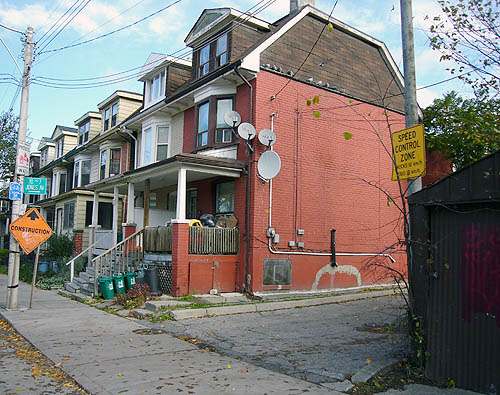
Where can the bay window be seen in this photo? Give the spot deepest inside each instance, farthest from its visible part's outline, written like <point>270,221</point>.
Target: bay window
<point>102,168</point>
<point>114,161</point>
<point>69,215</point>
<point>147,146</point>
<point>162,133</point>
<point>211,129</point>
<point>81,173</point>
<point>203,116</point>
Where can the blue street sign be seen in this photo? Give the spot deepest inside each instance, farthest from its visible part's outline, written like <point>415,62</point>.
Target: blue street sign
<point>15,192</point>
<point>35,186</point>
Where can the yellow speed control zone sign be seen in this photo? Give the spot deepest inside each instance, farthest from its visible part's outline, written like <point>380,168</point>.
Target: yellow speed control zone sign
<point>408,153</point>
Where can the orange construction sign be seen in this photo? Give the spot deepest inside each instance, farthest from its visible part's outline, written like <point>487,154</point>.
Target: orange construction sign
<point>30,230</point>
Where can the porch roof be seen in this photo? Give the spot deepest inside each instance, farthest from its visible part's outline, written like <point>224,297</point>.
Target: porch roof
<point>164,173</point>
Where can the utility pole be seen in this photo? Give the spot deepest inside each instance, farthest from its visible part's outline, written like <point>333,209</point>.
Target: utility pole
<point>411,105</point>
<point>14,252</point>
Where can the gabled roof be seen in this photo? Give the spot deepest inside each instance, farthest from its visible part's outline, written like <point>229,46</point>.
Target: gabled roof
<point>60,130</point>
<point>90,114</point>
<point>156,61</point>
<point>215,19</point>
<point>120,94</point>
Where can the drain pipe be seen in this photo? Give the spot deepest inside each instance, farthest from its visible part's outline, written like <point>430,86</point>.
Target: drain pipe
<point>129,132</point>
<point>249,184</point>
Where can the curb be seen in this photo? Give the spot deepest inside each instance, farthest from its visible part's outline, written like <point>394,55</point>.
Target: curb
<point>182,314</point>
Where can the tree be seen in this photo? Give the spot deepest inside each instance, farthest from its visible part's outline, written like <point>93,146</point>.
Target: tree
<point>464,129</point>
<point>468,33</point>
<point>8,141</point>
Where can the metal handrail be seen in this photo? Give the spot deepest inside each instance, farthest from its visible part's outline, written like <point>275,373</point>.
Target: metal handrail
<point>118,245</point>
<point>72,262</point>
<point>130,256</point>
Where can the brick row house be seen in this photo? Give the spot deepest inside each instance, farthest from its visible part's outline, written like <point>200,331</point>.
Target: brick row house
<point>328,93</point>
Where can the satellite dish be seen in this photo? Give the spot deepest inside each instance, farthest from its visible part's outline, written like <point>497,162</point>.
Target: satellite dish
<point>267,137</point>
<point>269,165</point>
<point>246,131</point>
<point>232,119</point>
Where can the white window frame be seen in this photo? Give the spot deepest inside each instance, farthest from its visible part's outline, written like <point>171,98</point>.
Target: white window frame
<point>159,77</point>
<point>79,165</point>
<point>60,147</point>
<point>153,129</point>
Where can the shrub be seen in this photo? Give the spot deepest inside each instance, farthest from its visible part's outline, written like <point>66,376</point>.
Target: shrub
<point>58,247</point>
<point>134,297</point>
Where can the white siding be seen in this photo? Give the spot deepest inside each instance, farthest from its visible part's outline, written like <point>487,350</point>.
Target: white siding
<point>177,133</point>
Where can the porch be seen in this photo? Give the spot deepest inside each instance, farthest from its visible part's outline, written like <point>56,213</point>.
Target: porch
<point>173,191</point>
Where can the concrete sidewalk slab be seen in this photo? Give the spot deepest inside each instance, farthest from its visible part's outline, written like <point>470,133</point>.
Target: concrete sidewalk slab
<point>94,347</point>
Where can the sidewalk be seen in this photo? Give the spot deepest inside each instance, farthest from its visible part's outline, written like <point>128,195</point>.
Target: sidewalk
<point>107,354</point>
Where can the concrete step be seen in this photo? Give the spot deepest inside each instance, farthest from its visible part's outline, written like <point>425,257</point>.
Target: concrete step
<point>77,281</point>
<point>86,277</point>
<point>87,292</point>
<point>158,305</point>
<point>70,287</point>
<point>90,271</point>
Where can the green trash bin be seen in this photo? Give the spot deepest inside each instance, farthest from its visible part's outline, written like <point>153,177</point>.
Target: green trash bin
<point>119,283</point>
<point>106,287</point>
<point>129,280</point>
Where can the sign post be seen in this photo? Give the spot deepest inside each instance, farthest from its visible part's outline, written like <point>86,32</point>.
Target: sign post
<point>408,148</point>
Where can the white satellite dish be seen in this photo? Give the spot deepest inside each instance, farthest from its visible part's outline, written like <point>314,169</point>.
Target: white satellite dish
<point>232,119</point>
<point>246,131</point>
<point>269,165</point>
<point>267,137</point>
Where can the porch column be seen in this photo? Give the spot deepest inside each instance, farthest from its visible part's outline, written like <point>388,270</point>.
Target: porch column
<point>181,194</point>
<point>147,185</point>
<point>130,227</point>
<point>130,204</point>
<point>116,201</point>
<point>93,226</point>
<point>180,257</point>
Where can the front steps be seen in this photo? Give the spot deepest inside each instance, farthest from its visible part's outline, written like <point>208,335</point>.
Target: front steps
<point>83,284</point>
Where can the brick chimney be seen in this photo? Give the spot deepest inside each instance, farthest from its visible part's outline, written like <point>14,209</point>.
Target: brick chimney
<point>296,5</point>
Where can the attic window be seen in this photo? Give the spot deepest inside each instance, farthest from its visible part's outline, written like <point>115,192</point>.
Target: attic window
<point>155,87</point>
<point>213,55</point>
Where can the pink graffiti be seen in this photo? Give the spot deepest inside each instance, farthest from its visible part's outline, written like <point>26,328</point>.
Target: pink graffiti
<point>481,271</point>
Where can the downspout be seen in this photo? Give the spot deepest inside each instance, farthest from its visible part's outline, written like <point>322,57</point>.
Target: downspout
<point>249,184</point>
<point>129,132</point>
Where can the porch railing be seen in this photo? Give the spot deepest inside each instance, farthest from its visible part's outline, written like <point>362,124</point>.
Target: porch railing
<point>214,241</point>
<point>126,256</point>
<point>202,241</point>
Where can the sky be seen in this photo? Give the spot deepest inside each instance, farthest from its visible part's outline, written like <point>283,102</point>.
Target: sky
<point>164,32</point>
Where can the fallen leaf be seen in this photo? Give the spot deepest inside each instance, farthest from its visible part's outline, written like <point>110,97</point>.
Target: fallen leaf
<point>131,339</point>
<point>58,364</point>
<point>276,337</point>
<point>368,361</point>
<point>36,371</point>
<point>244,371</point>
<point>120,374</point>
<point>229,366</point>
<point>65,357</point>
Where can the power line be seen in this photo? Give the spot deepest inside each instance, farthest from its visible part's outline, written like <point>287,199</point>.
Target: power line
<point>310,51</point>
<point>112,32</point>
<point>74,15</point>
<point>40,40</point>
<point>11,29</point>
<point>108,80</point>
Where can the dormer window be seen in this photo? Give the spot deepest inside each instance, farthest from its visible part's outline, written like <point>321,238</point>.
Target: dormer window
<point>213,55</point>
<point>110,116</point>
<point>204,60</point>
<point>60,148</point>
<point>83,133</point>
<point>155,87</point>
<point>221,52</point>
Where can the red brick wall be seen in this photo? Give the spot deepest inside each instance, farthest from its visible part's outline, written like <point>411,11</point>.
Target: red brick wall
<point>437,167</point>
<point>188,131</point>
<point>180,262</point>
<point>77,242</point>
<point>323,183</point>
<point>125,157</point>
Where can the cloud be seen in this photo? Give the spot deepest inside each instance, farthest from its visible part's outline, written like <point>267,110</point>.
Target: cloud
<point>426,96</point>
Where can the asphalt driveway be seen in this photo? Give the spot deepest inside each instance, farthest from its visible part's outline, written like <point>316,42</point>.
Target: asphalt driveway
<point>320,344</point>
